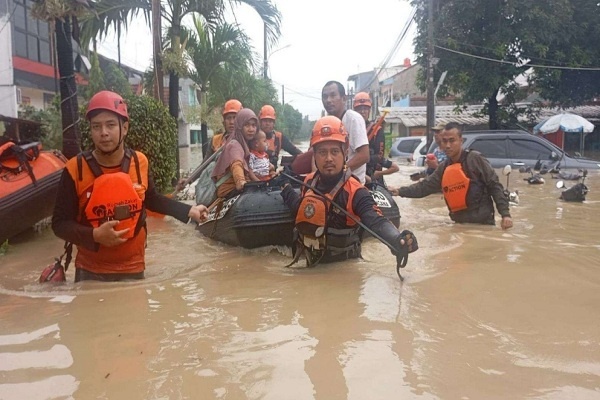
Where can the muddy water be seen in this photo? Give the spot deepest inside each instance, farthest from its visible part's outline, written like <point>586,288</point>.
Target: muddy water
<point>482,314</point>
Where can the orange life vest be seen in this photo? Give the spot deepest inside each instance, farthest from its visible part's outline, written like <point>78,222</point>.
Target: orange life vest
<point>312,219</point>
<point>455,186</point>
<point>98,195</point>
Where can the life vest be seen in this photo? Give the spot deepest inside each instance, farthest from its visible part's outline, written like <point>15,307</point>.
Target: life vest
<point>217,141</point>
<point>315,237</point>
<point>455,187</point>
<point>274,147</point>
<point>114,195</point>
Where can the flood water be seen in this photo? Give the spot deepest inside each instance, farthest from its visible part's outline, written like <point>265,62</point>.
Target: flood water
<point>482,314</point>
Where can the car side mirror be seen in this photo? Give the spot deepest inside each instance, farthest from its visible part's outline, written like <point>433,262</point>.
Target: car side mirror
<point>560,184</point>
<point>553,156</point>
<point>506,170</point>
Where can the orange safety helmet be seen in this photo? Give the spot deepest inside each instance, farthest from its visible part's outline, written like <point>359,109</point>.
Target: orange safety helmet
<point>327,129</point>
<point>108,101</point>
<point>232,106</point>
<point>267,112</point>
<point>362,99</point>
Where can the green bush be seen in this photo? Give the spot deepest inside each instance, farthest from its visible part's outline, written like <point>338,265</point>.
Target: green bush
<point>152,131</point>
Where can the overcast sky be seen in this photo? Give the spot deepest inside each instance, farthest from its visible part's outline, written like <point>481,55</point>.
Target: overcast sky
<point>326,39</point>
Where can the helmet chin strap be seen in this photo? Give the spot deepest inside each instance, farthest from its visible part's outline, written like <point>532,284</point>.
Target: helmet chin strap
<point>109,153</point>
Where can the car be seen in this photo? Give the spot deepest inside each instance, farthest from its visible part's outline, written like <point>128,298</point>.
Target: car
<point>407,147</point>
<point>518,148</point>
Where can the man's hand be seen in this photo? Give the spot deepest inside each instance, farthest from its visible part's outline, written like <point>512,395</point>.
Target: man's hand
<point>198,213</point>
<point>432,163</point>
<point>506,223</point>
<point>107,236</point>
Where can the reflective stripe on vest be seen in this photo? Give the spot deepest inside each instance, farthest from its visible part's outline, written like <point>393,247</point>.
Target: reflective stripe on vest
<point>455,186</point>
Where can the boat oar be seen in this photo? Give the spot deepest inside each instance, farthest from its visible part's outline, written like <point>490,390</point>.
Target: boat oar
<point>196,173</point>
<point>401,255</point>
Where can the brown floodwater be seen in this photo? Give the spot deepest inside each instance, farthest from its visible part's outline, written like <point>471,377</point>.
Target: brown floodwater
<point>482,314</point>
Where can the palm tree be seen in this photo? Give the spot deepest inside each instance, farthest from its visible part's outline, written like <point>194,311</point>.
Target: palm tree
<point>112,13</point>
<point>64,13</point>
<point>210,50</point>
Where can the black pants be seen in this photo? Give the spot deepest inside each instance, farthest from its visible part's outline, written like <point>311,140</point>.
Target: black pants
<point>84,275</point>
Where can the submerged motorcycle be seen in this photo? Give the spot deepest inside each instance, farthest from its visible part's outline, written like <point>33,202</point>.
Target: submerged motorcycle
<point>576,192</point>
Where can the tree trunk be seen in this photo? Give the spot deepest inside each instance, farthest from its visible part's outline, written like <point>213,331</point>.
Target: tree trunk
<point>493,110</point>
<point>174,110</point>
<point>68,90</point>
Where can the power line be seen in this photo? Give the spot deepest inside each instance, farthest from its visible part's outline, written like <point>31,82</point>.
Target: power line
<point>296,91</point>
<point>394,48</point>
<point>517,64</point>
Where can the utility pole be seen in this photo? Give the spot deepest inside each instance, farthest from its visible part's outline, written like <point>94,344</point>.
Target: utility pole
<point>430,88</point>
<point>158,87</point>
<point>265,58</point>
<point>283,95</point>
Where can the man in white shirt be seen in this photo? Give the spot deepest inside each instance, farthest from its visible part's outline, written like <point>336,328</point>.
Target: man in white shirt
<point>333,96</point>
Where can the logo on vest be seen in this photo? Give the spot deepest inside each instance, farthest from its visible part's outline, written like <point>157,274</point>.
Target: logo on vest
<point>455,187</point>
<point>309,211</point>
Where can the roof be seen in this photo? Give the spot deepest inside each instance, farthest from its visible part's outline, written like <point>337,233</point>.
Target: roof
<point>417,116</point>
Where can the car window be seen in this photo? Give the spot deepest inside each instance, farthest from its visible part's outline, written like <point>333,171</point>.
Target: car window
<point>490,148</point>
<point>527,149</point>
<point>407,146</point>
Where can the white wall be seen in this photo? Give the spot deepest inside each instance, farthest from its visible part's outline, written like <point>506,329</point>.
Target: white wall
<point>8,92</point>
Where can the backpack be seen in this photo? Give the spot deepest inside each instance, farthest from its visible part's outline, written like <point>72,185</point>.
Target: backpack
<point>206,188</point>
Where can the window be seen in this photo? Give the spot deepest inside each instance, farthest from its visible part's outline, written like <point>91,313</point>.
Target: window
<point>490,148</point>
<point>31,36</point>
<point>192,96</point>
<point>527,149</point>
<point>408,146</point>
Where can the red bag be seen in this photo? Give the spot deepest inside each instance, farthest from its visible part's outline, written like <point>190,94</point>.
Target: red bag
<point>57,272</point>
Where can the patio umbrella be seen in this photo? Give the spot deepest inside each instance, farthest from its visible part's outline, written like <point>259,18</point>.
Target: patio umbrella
<point>568,123</point>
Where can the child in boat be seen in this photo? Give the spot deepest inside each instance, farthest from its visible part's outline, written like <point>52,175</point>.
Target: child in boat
<point>260,167</point>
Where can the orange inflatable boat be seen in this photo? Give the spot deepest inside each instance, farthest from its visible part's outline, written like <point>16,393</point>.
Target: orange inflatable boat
<point>29,178</point>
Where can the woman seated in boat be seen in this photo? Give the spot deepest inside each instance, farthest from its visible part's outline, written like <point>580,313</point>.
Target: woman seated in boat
<point>232,170</point>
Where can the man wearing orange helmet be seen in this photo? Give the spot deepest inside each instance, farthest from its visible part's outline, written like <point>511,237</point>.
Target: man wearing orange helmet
<point>230,110</point>
<point>333,205</point>
<point>275,139</point>
<point>377,161</point>
<point>103,196</point>
<point>333,97</point>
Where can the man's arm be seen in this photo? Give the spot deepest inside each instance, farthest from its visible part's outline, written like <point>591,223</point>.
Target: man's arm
<point>287,145</point>
<point>361,157</point>
<point>492,183</point>
<point>66,212</point>
<point>430,185</point>
<point>291,198</point>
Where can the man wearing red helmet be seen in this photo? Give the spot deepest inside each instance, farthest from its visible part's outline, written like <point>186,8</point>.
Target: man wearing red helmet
<point>324,232</point>
<point>333,97</point>
<point>230,110</point>
<point>275,139</point>
<point>103,195</point>
<point>377,161</point>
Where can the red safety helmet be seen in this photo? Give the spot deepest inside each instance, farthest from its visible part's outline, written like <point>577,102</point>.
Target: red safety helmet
<point>362,99</point>
<point>267,112</point>
<point>108,101</point>
<point>328,129</point>
<point>232,106</point>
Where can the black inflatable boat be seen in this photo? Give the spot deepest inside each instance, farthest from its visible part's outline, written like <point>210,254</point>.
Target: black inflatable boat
<point>258,217</point>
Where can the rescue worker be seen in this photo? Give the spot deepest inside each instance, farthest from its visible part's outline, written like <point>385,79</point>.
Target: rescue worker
<point>376,136</point>
<point>103,196</point>
<point>275,139</point>
<point>438,155</point>
<point>468,183</point>
<point>333,97</point>
<point>230,110</point>
<point>325,233</point>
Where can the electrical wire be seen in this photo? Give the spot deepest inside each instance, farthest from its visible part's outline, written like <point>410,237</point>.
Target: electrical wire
<point>528,65</point>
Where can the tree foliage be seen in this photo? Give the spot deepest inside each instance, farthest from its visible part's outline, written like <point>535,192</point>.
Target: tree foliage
<point>578,46</point>
<point>508,31</point>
